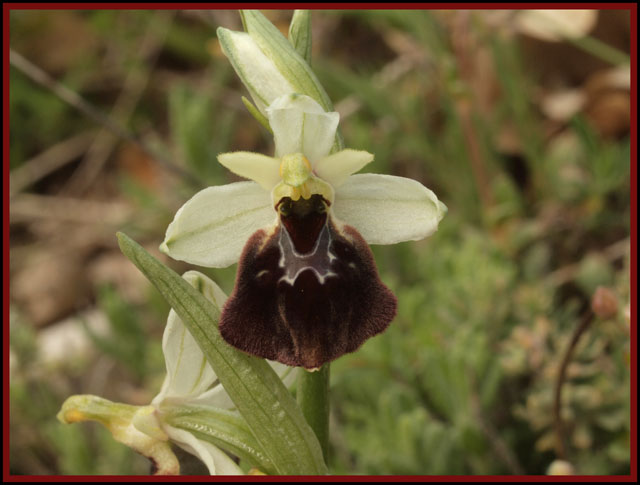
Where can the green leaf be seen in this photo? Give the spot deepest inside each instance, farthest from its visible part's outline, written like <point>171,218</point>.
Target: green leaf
<point>222,428</point>
<point>300,34</point>
<point>270,411</point>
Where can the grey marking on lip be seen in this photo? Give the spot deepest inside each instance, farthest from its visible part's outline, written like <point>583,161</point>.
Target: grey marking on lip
<point>318,259</point>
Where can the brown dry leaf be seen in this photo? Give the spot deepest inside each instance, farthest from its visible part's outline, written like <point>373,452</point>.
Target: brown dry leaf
<point>608,105</point>
<point>556,25</point>
<point>58,40</point>
<point>115,269</point>
<point>50,286</point>
<point>610,114</point>
<point>67,340</point>
<point>138,165</point>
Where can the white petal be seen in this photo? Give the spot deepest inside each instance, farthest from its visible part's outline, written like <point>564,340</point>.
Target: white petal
<point>218,397</point>
<point>213,226</point>
<point>257,71</point>
<point>188,372</point>
<point>254,166</point>
<point>300,125</point>
<point>336,168</point>
<point>387,209</point>
<point>216,460</point>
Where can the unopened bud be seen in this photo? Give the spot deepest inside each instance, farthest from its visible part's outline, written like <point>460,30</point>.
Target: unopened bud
<point>604,303</point>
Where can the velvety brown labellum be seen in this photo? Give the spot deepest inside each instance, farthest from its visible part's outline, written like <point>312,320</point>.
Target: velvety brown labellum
<point>307,292</point>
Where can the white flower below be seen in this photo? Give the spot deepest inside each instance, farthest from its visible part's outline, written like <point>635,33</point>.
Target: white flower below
<point>190,380</point>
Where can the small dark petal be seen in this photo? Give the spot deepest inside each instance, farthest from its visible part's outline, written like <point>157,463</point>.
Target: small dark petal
<point>306,293</point>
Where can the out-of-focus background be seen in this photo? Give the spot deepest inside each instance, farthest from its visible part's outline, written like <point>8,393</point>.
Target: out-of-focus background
<point>518,120</point>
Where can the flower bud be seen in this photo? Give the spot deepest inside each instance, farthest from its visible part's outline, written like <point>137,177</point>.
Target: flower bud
<point>268,64</point>
<point>604,303</point>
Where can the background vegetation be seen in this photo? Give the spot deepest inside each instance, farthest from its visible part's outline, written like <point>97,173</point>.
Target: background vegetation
<point>525,138</point>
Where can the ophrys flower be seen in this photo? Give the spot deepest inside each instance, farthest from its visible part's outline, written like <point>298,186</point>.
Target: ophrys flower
<point>307,289</point>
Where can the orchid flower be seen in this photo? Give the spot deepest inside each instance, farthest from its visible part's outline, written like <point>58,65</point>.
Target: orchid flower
<point>307,289</point>
<point>190,386</point>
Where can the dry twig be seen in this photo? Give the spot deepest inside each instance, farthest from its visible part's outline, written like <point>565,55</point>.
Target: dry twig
<point>73,99</point>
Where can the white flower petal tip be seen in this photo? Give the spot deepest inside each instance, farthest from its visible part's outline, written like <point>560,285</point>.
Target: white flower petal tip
<point>386,209</point>
<point>213,226</point>
<point>259,168</point>
<point>300,125</point>
<point>336,168</point>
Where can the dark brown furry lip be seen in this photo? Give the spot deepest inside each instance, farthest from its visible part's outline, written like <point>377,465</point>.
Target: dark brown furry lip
<point>308,292</point>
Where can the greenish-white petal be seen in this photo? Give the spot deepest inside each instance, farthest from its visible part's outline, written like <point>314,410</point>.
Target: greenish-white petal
<point>188,372</point>
<point>213,226</point>
<point>118,419</point>
<point>386,209</point>
<point>218,397</point>
<point>336,168</point>
<point>258,73</point>
<point>260,168</point>
<point>300,125</point>
<point>216,460</point>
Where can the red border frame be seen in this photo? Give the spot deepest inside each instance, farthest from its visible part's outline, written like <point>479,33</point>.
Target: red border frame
<point>632,7</point>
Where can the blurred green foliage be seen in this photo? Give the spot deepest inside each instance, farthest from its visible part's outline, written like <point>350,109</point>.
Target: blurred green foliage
<point>463,380</point>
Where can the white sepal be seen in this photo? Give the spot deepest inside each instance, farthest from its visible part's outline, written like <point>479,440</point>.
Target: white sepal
<point>386,209</point>
<point>212,227</point>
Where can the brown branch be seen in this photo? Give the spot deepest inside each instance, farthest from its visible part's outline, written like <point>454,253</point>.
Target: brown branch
<point>500,448</point>
<point>567,273</point>
<point>76,101</point>
<point>465,50</point>
<point>561,449</point>
<point>134,84</point>
<point>48,161</point>
<point>28,207</point>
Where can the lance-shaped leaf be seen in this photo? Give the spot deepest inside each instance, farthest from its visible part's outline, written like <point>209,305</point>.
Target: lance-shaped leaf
<point>222,428</point>
<point>263,401</point>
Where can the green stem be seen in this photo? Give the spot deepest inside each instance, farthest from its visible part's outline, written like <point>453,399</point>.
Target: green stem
<point>313,398</point>
<point>599,49</point>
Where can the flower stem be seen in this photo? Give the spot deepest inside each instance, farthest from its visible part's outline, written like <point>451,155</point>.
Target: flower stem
<point>313,398</point>
<point>561,449</point>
